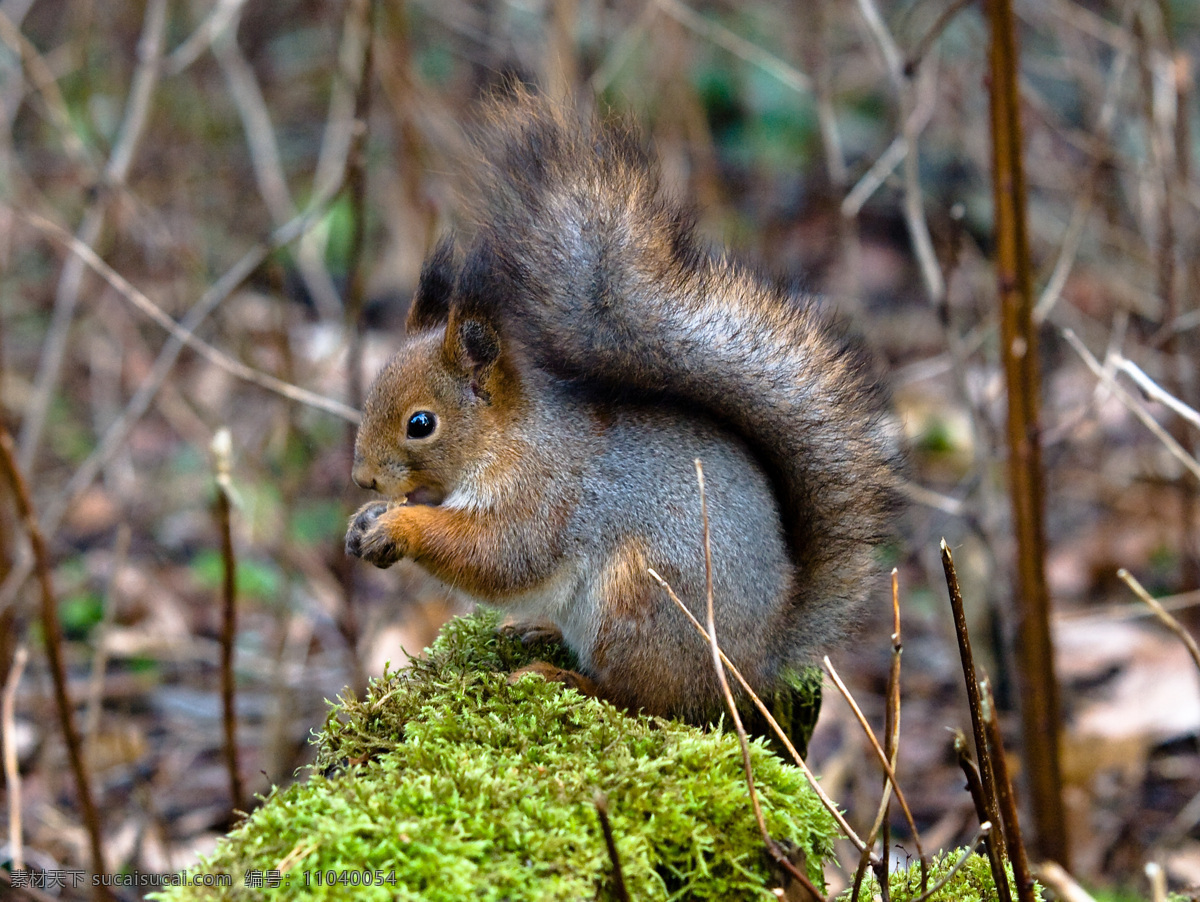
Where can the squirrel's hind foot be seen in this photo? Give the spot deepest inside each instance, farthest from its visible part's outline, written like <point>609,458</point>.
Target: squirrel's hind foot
<point>572,679</point>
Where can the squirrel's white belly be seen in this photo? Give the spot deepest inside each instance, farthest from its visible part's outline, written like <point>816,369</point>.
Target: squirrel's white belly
<point>551,600</point>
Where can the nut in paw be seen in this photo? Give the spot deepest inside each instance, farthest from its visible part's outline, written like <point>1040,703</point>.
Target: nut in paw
<point>367,536</point>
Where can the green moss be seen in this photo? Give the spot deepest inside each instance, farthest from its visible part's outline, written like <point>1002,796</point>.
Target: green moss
<point>466,785</point>
<point>972,883</point>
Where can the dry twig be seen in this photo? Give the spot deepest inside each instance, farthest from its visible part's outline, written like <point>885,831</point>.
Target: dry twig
<point>1131,404</point>
<point>992,841</point>
<point>1006,798</point>
<point>1161,613</point>
<point>66,295</point>
<point>881,755</point>
<point>222,452</point>
<point>268,169</point>
<point>114,438</point>
<point>184,334</point>
<point>830,805</point>
<point>12,773</point>
<point>736,44</point>
<point>1055,878</point>
<point>914,199</point>
<point>773,847</point>
<point>986,800</point>
<point>891,741</point>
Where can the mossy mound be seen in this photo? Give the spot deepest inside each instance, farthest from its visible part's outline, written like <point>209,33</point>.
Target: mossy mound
<point>464,786</point>
<point>972,883</point>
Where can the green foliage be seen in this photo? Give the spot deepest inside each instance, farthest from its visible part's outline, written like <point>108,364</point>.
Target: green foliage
<point>466,785</point>
<point>338,223</point>
<point>258,579</point>
<point>317,521</point>
<point>80,612</point>
<point>972,883</point>
<point>68,435</point>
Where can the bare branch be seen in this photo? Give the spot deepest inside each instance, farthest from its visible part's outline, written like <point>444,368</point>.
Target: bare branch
<point>184,335</point>
<point>1132,404</point>
<point>1161,613</point>
<point>731,706</point>
<point>268,169</point>
<point>880,754</point>
<point>119,431</point>
<point>66,296</point>
<point>736,44</point>
<point>1154,390</point>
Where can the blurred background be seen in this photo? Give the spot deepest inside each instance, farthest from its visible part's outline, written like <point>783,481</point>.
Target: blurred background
<point>270,176</point>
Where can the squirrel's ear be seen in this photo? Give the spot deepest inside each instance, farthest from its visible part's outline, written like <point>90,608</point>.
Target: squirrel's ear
<point>431,304</point>
<point>473,345</point>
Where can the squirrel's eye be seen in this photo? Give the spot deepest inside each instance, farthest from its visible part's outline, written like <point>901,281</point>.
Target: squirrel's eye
<point>421,424</point>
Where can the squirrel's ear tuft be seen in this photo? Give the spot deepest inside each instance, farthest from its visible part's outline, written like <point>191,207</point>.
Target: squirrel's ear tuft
<point>488,280</point>
<point>431,304</point>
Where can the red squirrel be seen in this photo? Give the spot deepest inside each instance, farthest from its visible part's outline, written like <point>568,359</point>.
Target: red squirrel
<point>564,364</point>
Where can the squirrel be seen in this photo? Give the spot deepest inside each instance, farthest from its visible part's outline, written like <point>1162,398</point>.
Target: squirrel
<point>534,437</point>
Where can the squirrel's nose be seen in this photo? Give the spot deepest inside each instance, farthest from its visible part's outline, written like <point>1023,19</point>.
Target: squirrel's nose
<point>362,477</point>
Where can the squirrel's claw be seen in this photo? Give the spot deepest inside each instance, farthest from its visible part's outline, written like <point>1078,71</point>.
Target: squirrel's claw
<point>368,539</point>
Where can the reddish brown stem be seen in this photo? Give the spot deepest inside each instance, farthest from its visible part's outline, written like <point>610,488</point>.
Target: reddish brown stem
<point>619,892</point>
<point>1034,650</point>
<point>1007,801</point>
<point>986,802</point>
<point>228,637</point>
<point>52,630</point>
<point>991,840</point>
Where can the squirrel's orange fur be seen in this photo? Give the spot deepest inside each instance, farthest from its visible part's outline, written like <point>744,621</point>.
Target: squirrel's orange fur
<point>536,432</point>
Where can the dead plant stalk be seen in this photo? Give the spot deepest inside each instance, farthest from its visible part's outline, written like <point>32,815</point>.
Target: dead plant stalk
<point>881,755</point>
<point>830,805</point>
<point>772,847</point>
<point>12,773</point>
<point>223,508</point>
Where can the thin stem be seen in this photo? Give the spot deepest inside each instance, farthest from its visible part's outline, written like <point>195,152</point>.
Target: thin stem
<point>992,841</point>
<point>1034,646</point>
<point>879,753</point>
<point>773,847</point>
<point>989,811</point>
<point>1132,405</point>
<point>12,773</point>
<point>1161,613</point>
<point>830,805</point>
<point>600,800</point>
<point>223,507</point>
<point>52,631</point>
<point>1006,800</point>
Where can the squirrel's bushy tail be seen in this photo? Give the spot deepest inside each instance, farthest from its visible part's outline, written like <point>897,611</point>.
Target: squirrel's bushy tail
<point>581,256</point>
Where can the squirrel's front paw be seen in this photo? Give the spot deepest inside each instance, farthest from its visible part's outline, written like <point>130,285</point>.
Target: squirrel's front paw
<point>368,537</point>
